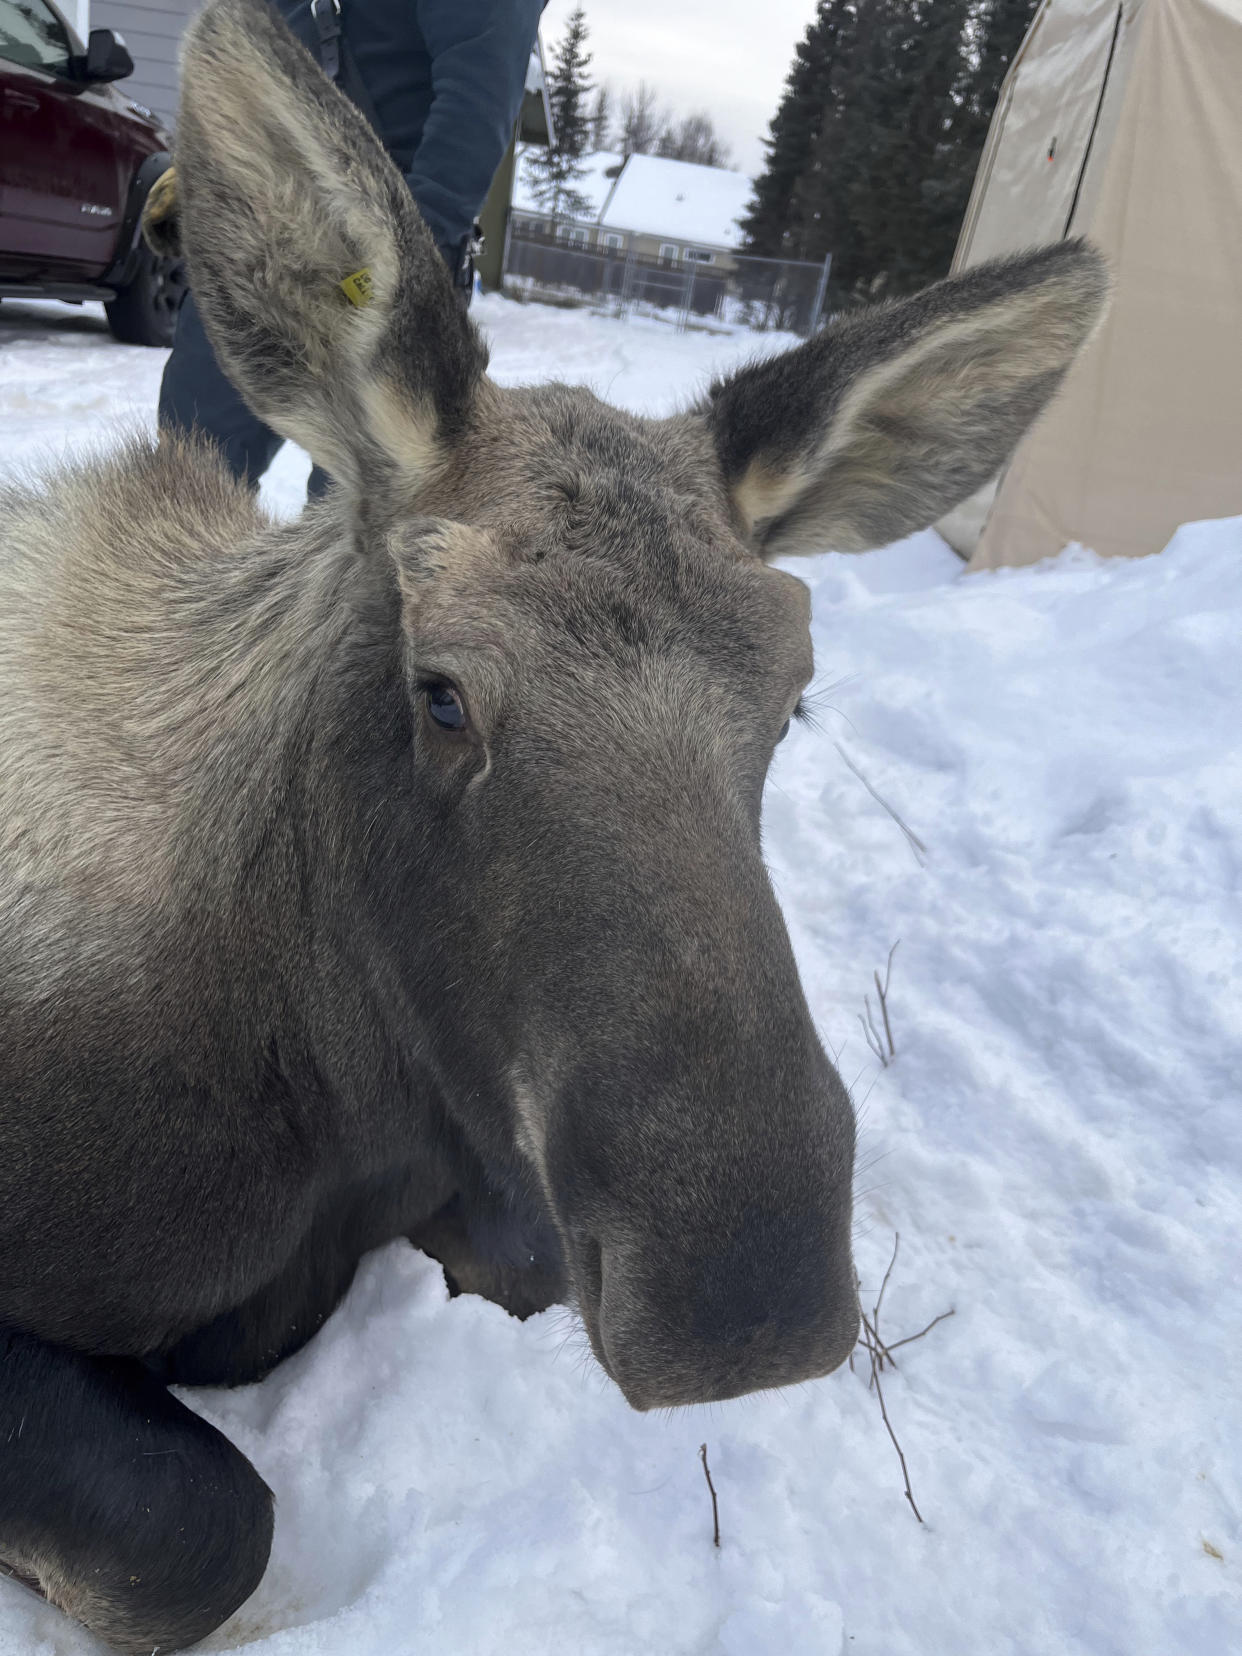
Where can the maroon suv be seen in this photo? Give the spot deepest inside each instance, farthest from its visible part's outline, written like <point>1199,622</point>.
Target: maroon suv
<point>76,161</point>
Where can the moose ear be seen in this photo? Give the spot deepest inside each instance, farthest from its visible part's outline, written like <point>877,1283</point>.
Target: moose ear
<point>320,287</point>
<point>886,420</point>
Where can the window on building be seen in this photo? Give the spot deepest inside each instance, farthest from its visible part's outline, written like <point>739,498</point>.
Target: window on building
<point>700,255</point>
<point>612,239</point>
<point>669,252</point>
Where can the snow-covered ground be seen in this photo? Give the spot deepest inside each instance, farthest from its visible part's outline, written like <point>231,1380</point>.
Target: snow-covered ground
<point>1058,1141</point>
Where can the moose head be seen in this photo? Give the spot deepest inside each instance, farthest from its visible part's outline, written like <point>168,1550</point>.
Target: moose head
<point>598,659</point>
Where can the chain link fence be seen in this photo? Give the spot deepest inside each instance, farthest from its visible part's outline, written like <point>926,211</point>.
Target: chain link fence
<point>612,268</point>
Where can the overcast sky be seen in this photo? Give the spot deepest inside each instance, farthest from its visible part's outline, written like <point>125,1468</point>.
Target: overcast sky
<point>729,57</point>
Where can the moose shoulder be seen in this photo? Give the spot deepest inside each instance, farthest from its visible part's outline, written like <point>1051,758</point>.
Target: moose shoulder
<point>397,871</point>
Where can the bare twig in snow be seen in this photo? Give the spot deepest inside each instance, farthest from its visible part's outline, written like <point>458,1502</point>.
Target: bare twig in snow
<point>910,1338</point>
<point>912,839</point>
<point>881,1046</point>
<point>888,1425</point>
<point>881,990</point>
<point>715,1509</point>
<point>871,1032</point>
<point>879,1353</point>
<point>879,1298</point>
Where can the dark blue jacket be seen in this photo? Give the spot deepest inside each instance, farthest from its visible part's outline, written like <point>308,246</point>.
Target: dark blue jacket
<point>445,79</point>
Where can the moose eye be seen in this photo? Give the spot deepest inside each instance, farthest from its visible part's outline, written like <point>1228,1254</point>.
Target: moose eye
<point>801,713</point>
<point>445,706</point>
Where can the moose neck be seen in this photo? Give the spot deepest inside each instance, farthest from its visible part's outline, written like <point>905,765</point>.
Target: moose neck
<point>292,702</point>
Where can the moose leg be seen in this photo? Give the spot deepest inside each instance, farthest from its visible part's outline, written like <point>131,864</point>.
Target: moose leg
<point>243,1343</point>
<point>119,1504</point>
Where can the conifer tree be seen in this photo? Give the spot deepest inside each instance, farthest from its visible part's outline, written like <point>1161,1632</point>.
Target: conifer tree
<point>932,167</point>
<point>554,172</point>
<point>984,38</point>
<point>874,147</point>
<point>772,223</point>
<point>1000,28</point>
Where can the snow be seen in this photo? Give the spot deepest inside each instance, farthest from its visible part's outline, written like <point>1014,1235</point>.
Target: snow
<point>1058,1142</point>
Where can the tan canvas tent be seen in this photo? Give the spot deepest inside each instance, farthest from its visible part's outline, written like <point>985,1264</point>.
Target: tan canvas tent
<point>1122,122</point>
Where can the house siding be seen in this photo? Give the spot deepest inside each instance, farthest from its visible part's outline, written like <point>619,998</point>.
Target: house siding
<point>652,247</point>
<point>152,31</point>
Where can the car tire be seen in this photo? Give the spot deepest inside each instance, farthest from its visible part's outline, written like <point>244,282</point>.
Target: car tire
<point>144,312</point>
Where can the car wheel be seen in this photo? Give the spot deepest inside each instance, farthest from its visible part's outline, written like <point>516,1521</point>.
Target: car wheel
<point>144,312</point>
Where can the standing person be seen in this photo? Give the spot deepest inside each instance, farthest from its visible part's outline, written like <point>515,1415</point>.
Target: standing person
<point>441,81</point>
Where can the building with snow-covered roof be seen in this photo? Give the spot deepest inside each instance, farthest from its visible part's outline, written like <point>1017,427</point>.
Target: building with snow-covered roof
<point>674,211</point>
<point>688,211</point>
<point>599,176</point>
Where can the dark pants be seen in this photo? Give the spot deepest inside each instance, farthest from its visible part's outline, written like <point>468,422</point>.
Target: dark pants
<point>195,393</point>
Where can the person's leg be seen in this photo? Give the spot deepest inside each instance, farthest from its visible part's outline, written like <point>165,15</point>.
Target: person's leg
<point>195,394</point>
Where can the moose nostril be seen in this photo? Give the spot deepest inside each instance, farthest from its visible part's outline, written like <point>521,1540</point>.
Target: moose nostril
<point>772,1304</point>
<point>772,1276</point>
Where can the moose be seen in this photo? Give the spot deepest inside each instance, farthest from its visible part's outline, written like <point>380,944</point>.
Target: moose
<point>396,872</point>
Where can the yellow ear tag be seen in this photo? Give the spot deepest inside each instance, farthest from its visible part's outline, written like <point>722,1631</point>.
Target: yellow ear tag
<point>357,288</point>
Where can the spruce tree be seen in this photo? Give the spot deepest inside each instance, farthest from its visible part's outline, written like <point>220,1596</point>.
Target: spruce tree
<point>841,201</point>
<point>988,34</point>
<point>772,224</point>
<point>554,172</point>
<point>1000,27</point>
<point>931,156</point>
<point>874,147</point>
<point>861,194</point>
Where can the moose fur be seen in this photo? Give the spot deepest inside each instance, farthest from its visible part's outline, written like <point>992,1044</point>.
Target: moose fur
<point>397,871</point>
